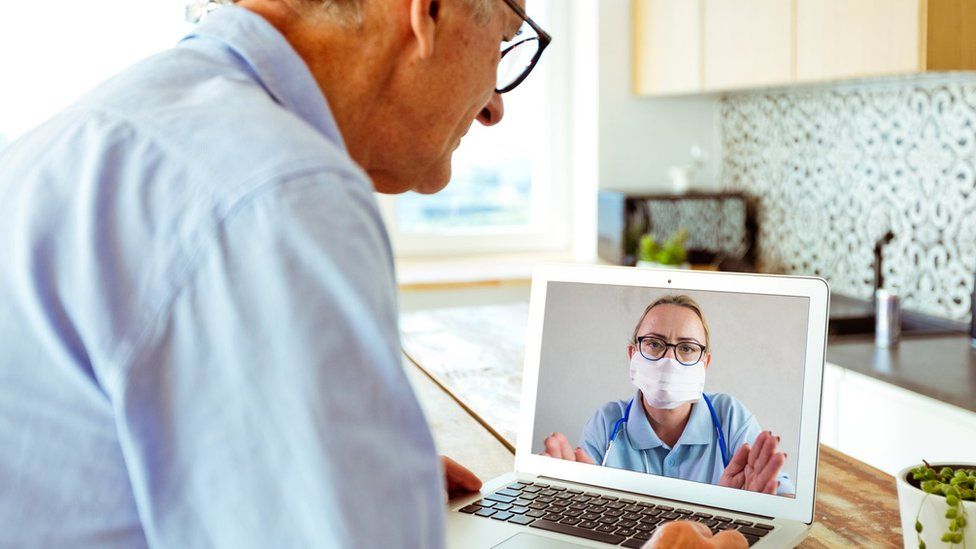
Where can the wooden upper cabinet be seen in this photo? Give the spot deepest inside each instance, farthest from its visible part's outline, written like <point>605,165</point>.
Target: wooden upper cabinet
<point>747,43</point>
<point>854,38</point>
<point>666,46</point>
<point>859,38</point>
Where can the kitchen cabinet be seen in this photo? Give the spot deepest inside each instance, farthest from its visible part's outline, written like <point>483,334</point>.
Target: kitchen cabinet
<point>747,43</point>
<point>685,46</point>
<point>890,427</point>
<point>668,38</point>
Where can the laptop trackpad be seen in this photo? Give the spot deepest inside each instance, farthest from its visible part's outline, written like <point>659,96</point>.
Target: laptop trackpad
<point>532,541</point>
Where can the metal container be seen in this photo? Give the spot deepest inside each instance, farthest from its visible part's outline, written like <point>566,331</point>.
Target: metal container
<point>887,318</point>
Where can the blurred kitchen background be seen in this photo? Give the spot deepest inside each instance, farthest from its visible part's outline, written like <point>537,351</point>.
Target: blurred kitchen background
<point>834,138</point>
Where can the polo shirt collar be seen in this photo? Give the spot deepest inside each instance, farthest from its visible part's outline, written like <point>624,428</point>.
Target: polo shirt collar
<point>267,56</point>
<point>698,430</point>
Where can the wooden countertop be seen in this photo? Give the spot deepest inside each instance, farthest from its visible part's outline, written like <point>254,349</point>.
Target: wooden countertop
<point>449,356</point>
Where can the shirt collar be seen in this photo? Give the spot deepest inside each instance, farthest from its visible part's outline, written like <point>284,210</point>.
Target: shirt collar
<point>698,430</point>
<point>269,59</point>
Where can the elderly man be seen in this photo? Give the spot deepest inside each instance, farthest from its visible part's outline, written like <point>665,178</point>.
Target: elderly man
<point>198,323</point>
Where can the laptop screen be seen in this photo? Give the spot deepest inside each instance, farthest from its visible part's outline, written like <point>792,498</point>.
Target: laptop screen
<point>702,386</point>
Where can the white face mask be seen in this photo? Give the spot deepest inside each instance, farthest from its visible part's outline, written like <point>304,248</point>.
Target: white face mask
<point>666,383</point>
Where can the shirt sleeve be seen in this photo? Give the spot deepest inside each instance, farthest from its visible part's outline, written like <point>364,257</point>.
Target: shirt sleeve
<point>594,437</point>
<point>266,406</point>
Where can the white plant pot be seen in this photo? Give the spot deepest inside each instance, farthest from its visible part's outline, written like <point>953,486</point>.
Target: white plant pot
<point>655,265</point>
<point>932,515</point>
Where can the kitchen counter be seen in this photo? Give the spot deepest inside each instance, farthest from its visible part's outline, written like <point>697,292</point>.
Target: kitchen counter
<point>942,367</point>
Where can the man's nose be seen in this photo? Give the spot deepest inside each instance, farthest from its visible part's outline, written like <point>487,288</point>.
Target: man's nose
<point>493,111</point>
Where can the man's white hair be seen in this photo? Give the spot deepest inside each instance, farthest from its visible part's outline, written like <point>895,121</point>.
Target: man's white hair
<point>351,11</point>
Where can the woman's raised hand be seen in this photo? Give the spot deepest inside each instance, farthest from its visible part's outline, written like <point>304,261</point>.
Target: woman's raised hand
<point>755,468</point>
<point>558,446</point>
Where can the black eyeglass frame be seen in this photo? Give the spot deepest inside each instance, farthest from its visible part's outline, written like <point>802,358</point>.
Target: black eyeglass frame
<point>701,348</point>
<point>544,40</point>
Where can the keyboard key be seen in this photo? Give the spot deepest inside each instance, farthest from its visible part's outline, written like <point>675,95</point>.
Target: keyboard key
<point>644,527</point>
<point>645,506</point>
<point>722,519</point>
<point>515,486</point>
<point>535,514</point>
<point>470,509</point>
<point>631,516</point>
<point>752,540</point>
<point>555,517</point>
<point>749,531</point>
<point>572,513</point>
<point>576,531</point>
<point>485,503</point>
<point>711,523</point>
<point>703,515</point>
<point>538,506</point>
<point>518,510</point>
<point>545,499</point>
<point>666,508</point>
<point>570,520</point>
<point>683,511</point>
<point>589,524</point>
<point>582,499</point>
<point>626,532</point>
<point>608,498</point>
<point>485,512</point>
<point>531,489</point>
<point>523,520</point>
<point>643,535</point>
<point>522,502</point>
<point>633,543</point>
<point>634,508</point>
<point>741,523</point>
<point>615,505</point>
<point>613,513</point>
<point>564,495</point>
<point>607,520</point>
<point>763,526</point>
<point>590,516</point>
<point>607,528</point>
<point>503,515</point>
<point>549,492</point>
<point>507,492</point>
<point>596,508</point>
<point>500,498</point>
<point>627,524</point>
<point>575,492</point>
<point>671,516</point>
<point>530,497</point>
<point>628,501</point>
<point>557,488</point>
<point>502,506</point>
<point>540,484</point>
<point>651,512</point>
<point>578,507</point>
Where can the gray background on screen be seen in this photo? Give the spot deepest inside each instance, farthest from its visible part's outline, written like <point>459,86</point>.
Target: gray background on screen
<point>758,345</point>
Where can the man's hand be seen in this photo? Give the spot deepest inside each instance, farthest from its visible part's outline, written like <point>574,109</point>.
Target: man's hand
<point>557,446</point>
<point>755,468</point>
<point>458,479</point>
<point>685,534</point>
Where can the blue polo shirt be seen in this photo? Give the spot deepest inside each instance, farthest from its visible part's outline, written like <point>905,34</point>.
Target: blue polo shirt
<point>696,456</point>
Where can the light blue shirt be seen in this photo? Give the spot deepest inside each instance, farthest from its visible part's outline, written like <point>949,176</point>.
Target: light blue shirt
<point>696,456</point>
<point>198,323</point>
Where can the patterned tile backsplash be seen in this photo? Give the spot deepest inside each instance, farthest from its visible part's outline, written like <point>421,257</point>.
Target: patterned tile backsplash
<point>833,169</point>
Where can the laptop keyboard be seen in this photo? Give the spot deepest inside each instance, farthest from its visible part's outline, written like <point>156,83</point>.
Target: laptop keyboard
<point>617,521</point>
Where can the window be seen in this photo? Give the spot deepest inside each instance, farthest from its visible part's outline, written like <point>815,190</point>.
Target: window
<point>52,53</point>
<point>508,190</point>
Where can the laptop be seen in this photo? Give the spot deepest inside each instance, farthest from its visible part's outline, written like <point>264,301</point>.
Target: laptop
<point>614,364</point>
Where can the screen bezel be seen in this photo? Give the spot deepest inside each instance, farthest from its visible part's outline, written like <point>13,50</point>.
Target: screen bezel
<point>800,508</point>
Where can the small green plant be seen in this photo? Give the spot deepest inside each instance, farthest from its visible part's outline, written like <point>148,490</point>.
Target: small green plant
<point>672,252</point>
<point>955,486</point>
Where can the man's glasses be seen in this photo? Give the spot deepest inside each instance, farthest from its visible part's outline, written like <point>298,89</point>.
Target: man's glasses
<point>521,53</point>
<point>687,353</point>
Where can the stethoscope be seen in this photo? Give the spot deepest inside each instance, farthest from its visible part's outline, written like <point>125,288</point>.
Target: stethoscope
<point>623,421</point>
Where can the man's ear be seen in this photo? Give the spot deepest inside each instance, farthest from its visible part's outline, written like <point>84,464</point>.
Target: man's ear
<point>424,17</point>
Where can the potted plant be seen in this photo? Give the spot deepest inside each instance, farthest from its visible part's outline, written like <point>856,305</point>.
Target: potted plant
<point>937,505</point>
<point>670,255</point>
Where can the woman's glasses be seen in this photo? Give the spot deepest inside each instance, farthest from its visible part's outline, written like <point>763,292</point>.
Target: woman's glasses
<point>688,353</point>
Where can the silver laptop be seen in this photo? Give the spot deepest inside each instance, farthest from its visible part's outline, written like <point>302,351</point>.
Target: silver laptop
<point>656,395</point>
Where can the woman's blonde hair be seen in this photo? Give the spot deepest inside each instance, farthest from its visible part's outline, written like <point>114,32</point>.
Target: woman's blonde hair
<point>681,301</point>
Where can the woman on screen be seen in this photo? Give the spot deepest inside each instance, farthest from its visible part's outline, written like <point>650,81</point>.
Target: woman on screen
<point>670,427</point>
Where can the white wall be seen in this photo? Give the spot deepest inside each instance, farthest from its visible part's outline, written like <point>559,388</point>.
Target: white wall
<point>639,138</point>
